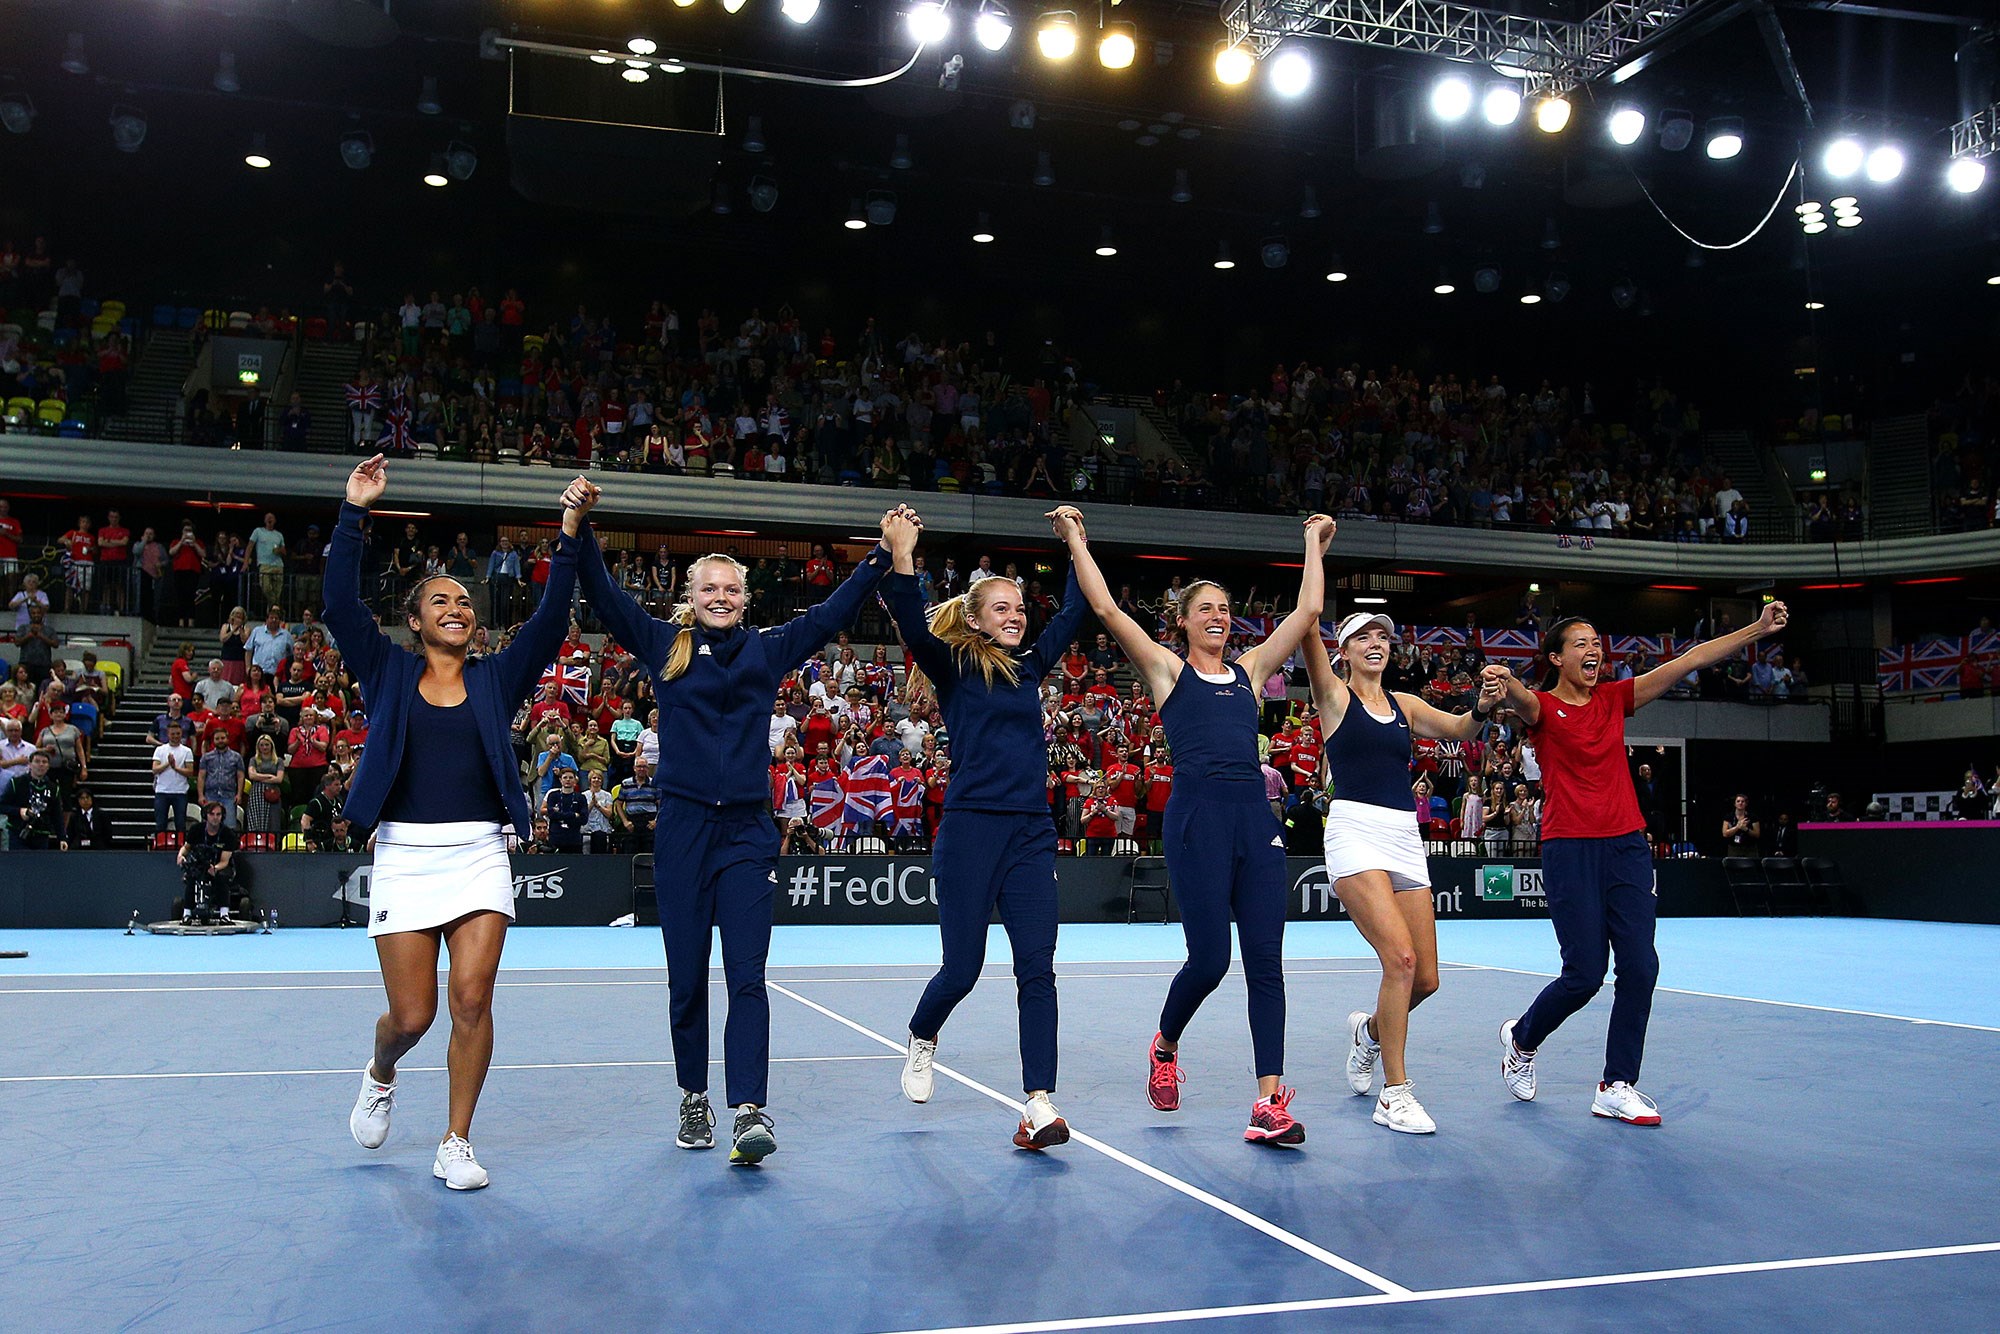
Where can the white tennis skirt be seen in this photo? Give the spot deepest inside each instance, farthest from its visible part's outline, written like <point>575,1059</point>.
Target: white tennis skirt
<point>1364,837</point>
<point>427,875</point>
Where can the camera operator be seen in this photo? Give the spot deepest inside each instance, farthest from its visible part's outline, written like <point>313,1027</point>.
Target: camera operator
<point>208,866</point>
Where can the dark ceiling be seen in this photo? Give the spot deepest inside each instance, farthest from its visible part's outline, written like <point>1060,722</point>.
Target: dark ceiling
<point>611,214</point>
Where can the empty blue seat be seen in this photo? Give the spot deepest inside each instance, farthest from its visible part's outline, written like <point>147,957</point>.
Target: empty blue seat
<point>188,317</point>
<point>164,316</point>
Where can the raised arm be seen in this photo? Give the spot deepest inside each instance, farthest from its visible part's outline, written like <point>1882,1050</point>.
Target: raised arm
<point>361,639</point>
<point>529,654</point>
<point>1666,676</point>
<point>646,636</point>
<point>1260,661</point>
<point>1053,642</point>
<point>1496,676</point>
<point>1330,693</point>
<point>793,642</point>
<point>1158,665</point>
<point>1428,721</point>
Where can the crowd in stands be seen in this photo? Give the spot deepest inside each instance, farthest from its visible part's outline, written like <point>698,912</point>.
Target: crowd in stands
<point>1965,429</point>
<point>58,345</point>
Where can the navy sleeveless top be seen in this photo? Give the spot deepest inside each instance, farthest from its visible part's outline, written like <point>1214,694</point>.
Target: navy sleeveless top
<point>444,777</point>
<point>1212,729</point>
<point>1368,758</point>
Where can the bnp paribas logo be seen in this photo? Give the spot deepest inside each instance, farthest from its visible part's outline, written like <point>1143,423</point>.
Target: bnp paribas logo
<point>1496,884</point>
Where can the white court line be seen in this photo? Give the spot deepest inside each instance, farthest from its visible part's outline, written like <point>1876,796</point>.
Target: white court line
<point>1755,1000</point>
<point>1406,1298</point>
<point>659,981</point>
<point>618,967</point>
<point>1216,1202</point>
<point>404,1069</point>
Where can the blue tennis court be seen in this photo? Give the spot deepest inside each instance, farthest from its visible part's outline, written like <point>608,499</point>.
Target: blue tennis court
<point>178,1110</point>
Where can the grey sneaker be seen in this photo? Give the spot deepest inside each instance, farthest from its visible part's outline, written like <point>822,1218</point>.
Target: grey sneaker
<point>917,1078</point>
<point>754,1141</point>
<point>369,1121</point>
<point>697,1122</point>
<point>456,1167</point>
<point>1361,1055</point>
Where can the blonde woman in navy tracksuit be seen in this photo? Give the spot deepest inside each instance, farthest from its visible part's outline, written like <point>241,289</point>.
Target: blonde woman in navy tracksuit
<point>1225,851</point>
<point>715,850</point>
<point>997,844</point>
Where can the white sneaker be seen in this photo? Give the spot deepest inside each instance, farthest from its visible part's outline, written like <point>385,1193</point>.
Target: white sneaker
<point>1621,1102</point>
<point>1362,1055</point>
<point>456,1167</point>
<point>917,1078</point>
<point>1399,1110</point>
<point>369,1121</point>
<point>1042,1127</point>
<point>1517,1067</point>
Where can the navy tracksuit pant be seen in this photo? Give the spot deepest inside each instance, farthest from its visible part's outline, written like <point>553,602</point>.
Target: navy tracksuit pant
<point>983,859</point>
<point>1226,858</point>
<point>716,868</point>
<point>1603,901</point>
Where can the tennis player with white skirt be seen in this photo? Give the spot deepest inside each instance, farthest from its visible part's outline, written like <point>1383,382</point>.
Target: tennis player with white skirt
<point>438,782</point>
<point>1375,848</point>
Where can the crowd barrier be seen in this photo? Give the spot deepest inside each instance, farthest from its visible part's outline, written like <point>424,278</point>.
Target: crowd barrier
<point>105,889</point>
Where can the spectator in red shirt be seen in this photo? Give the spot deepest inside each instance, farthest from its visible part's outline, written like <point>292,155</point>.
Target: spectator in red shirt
<point>1159,785</point>
<point>819,575</point>
<point>114,558</point>
<point>1075,669</point>
<point>10,540</point>
<point>550,702</point>
<point>1121,777</point>
<point>1100,821</point>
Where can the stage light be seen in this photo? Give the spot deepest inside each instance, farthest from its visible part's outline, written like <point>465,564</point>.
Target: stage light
<point>753,135</point>
<point>1233,64</point>
<point>1183,191</point>
<point>1815,305</point>
<point>17,113</point>
<point>1486,279</point>
<point>225,80</point>
<point>1808,207</point>
<point>1105,246</point>
<point>1552,115</point>
<point>642,46</point>
<point>733,6</point>
<point>1624,294</point>
<point>427,98</point>
<point>1965,175</point>
<point>682,4</point>
<point>1676,130</point>
<point>635,75</point>
<point>1725,138</point>
<point>1291,73</point>
<point>1531,298</point>
<point>1433,219</point>
<point>1994,281</point>
<point>1846,204</point>
<point>1444,288</point>
<point>1336,272</point>
<point>718,198</point>
<point>1222,257</point>
<point>1275,251</point>
<point>1057,35</point>
<point>899,157</point>
<point>856,220</point>
<point>1045,170</point>
<point>1815,228</point>
<point>1451,97</point>
<point>994,27</point>
<point>1843,157</point>
<point>73,60</point>
<point>983,233</point>
<point>928,24</point>
<point>460,160</point>
<point>1556,286</point>
<point>881,208</point>
<point>1551,238</point>
<point>357,150</point>
<point>1627,124</point>
<point>1885,164</point>
<point>435,178</point>
<point>1309,204</point>
<point>1848,220</point>
<point>259,156</point>
<point>128,128</point>
<point>604,58</point>
<point>799,11</point>
<point>1501,105</point>
<point>763,193</point>
<point>1118,45</point>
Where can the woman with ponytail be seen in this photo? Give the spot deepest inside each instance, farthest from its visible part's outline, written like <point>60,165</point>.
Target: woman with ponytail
<point>437,781</point>
<point>715,848</point>
<point>997,843</point>
<point>1225,852</point>
<point>1596,867</point>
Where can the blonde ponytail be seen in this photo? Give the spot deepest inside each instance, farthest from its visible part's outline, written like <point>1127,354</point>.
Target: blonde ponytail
<point>951,623</point>
<point>682,651</point>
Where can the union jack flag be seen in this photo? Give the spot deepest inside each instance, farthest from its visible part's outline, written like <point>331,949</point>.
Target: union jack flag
<point>396,438</point>
<point>1657,647</point>
<point>572,679</point>
<point>1249,627</point>
<point>1437,636</point>
<point>907,801</point>
<point>1930,664</point>
<point>828,799</point>
<point>869,792</point>
<point>784,788</point>
<point>364,398</point>
<point>1508,645</point>
<point>1982,642</point>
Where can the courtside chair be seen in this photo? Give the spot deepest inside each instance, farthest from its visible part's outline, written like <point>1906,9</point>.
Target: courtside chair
<point>1788,883</point>
<point>1823,874</point>
<point>1149,876</point>
<point>1746,881</point>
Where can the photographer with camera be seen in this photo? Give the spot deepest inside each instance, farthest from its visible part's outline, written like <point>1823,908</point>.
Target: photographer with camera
<point>208,867</point>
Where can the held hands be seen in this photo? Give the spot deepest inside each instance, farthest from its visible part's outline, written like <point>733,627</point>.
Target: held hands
<point>1067,520</point>
<point>577,500</point>
<point>1492,689</point>
<point>367,482</point>
<point>900,527</point>
<point>1319,534</point>
<point>1773,620</point>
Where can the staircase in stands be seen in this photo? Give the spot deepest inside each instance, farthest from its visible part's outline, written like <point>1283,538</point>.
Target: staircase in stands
<point>121,765</point>
<point>323,373</point>
<point>153,395</point>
